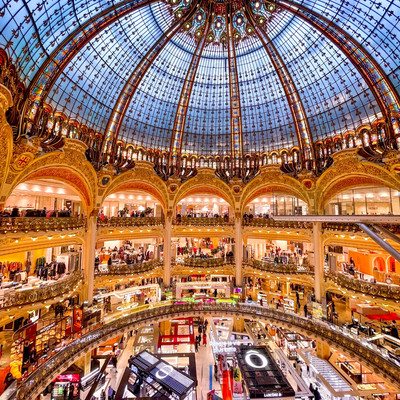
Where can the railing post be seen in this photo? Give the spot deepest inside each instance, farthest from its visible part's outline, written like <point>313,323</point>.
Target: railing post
<point>318,261</point>
<point>238,250</point>
<point>89,250</point>
<point>167,250</point>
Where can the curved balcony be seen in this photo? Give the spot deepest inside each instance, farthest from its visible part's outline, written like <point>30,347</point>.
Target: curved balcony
<point>39,379</point>
<point>52,289</point>
<point>203,221</point>
<point>36,224</point>
<point>122,222</point>
<point>270,222</point>
<point>129,269</point>
<point>190,262</point>
<point>290,268</point>
<point>383,290</point>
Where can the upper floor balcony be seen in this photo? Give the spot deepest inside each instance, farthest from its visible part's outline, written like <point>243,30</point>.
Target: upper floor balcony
<point>199,262</point>
<point>203,221</point>
<point>129,269</point>
<point>40,224</point>
<point>45,291</point>
<point>120,222</point>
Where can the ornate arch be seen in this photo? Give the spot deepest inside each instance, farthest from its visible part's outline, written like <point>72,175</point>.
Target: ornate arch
<point>205,182</point>
<point>272,179</point>
<point>142,178</point>
<point>348,171</point>
<point>69,166</point>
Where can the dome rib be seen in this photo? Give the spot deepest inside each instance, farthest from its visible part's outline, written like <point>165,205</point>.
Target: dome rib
<point>54,65</point>
<point>234,90</point>
<point>180,117</point>
<point>387,97</point>
<point>125,97</point>
<point>298,113</point>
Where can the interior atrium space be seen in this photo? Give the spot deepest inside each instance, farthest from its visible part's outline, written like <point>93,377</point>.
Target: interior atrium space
<point>199,199</point>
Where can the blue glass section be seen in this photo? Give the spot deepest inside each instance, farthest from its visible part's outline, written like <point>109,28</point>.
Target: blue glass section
<point>334,95</point>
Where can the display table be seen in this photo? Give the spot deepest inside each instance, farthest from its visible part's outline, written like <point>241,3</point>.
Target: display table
<point>368,309</point>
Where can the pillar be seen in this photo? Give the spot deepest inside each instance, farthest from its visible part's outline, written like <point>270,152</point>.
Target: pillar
<point>167,250</point>
<point>323,350</point>
<point>88,257</point>
<point>6,144</point>
<point>238,251</point>
<point>318,261</point>
<point>84,363</point>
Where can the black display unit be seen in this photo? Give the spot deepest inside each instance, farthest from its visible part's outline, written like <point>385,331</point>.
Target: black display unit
<point>261,374</point>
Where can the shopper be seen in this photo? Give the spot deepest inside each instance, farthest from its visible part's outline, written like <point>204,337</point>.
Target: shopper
<point>205,339</point>
<point>305,310</point>
<point>393,330</point>
<point>196,346</point>
<point>114,360</point>
<point>317,395</point>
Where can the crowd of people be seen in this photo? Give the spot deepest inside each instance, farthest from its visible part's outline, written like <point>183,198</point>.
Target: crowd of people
<point>202,214</point>
<point>15,212</point>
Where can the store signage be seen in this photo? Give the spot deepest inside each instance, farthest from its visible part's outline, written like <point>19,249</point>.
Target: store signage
<point>46,328</point>
<point>251,354</point>
<point>164,372</point>
<point>272,394</point>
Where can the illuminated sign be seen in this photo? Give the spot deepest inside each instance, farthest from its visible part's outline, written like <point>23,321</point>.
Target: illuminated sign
<point>164,372</point>
<point>253,353</point>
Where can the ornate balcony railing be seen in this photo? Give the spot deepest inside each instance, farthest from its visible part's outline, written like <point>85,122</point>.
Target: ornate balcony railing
<point>279,268</point>
<point>48,291</point>
<point>128,269</point>
<point>121,222</point>
<point>29,224</point>
<point>203,221</point>
<point>359,285</point>
<point>270,222</point>
<point>190,262</point>
<point>39,379</point>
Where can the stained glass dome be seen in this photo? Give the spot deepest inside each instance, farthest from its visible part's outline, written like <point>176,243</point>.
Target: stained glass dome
<point>209,77</point>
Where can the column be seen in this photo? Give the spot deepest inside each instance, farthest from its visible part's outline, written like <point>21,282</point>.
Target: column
<point>167,250</point>
<point>318,261</point>
<point>89,251</point>
<point>238,251</point>
<point>84,363</point>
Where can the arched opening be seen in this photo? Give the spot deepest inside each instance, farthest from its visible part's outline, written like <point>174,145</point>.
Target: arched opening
<point>276,203</point>
<point>44,197</point>
<point>132,203</point>
<point>369,200</point>
<point>200,205</point>
<point>391,265</point>
<point>379,264</point>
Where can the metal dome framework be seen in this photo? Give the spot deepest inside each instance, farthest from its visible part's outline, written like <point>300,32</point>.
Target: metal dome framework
<point>207,79</point>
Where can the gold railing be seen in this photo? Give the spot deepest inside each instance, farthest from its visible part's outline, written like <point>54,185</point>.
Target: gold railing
<point>117,222</point>
<point>269,222</point>
<point>49,291</point>
<point>127,269</point>
<point>190,262</point>
<point>203,221</point>
<point>359,285</point>
<point>39,379</point>
<point>279,268</point>
<point>28,224</point>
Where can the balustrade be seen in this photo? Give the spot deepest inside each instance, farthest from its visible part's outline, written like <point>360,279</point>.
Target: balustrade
<point>271,223</point>
<point>127,269</point>
<point>121,222</point>
<point>279,268</point>
<point>359,285</point>
<point>29,224</point>
<point>191,262</point>
<point>203,221</point>
<point>46,291</point>
<point>40,378</point>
